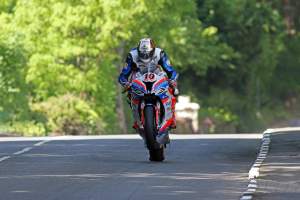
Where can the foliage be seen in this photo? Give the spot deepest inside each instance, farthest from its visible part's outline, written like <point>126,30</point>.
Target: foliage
<point>288,70</point>
<point>68,114</point>
<point>254,30</point>
<point>7,5</point>
<point>24,128</point>
<point>13,90</point>
<point>220,114</point>
<point>59,59</point>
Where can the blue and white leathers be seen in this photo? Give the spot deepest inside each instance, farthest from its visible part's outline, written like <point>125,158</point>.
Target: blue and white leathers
<point>134,64</point>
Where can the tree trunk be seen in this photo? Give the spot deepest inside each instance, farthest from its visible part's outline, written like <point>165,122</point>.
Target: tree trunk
<point>288,12</point>
<point>119,100</point>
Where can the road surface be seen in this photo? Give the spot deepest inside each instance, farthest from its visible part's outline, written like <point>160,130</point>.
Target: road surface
<point>203,167</point>
<point>280,172</point>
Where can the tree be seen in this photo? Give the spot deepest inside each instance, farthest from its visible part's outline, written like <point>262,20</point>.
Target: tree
<point>13,89</point>
<point>75,46</point>
<point>254,30</point>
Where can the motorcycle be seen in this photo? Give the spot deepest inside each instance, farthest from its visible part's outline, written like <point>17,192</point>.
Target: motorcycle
<point>151,102</point>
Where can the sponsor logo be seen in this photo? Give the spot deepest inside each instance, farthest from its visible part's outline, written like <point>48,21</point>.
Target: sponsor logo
<point>168,62</point>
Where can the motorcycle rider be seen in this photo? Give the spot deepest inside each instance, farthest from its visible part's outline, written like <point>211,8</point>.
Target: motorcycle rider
<point>139,59</point>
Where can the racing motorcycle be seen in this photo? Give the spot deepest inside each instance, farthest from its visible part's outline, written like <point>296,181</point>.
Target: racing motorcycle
<point>151,101</point>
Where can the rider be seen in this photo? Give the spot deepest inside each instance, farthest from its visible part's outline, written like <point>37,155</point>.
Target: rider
<point>141,56</point>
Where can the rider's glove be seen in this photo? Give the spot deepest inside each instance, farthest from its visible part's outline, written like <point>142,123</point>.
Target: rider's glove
<point>173,83</point>
<point>127,86</point>
<point>176,92</point>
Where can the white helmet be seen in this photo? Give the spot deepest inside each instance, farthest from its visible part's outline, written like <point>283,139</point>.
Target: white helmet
<point>146,48</point>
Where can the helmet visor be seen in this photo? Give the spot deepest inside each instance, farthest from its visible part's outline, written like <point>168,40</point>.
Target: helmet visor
<point>145,49</point>
<point>144,55</point>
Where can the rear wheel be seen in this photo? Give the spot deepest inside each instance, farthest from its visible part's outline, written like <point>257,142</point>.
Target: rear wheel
<point>156,151</point>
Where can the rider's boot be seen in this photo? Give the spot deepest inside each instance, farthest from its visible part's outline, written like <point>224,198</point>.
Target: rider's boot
<point>135,126</point>
<point>173,124</point>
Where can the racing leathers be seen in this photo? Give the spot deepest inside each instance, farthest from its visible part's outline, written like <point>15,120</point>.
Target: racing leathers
<point>159,61</point>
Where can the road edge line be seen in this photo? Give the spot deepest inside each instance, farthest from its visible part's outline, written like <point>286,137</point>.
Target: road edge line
<point>253,173</point>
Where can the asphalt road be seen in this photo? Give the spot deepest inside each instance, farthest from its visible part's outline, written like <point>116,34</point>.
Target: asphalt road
<point>280,173</point>
<point>117,168</point>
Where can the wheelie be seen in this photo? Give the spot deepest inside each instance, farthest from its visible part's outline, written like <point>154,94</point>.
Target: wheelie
<point>151,83</point>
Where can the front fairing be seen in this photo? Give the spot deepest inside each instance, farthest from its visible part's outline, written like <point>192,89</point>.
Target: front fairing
<point>153,90</point>
<point>138,87</point>
<point>160,88</point>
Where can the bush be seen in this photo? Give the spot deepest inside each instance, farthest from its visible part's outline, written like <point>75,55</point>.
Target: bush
<point>222,119</point>
<point>69,115</point>
<point>24,128</point>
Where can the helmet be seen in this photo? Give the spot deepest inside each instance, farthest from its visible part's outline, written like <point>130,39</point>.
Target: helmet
<point>146,48</point>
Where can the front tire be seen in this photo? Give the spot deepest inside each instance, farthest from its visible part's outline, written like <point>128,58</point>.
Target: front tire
<point>156,151</point>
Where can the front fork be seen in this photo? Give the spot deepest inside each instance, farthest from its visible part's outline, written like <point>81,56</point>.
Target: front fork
<point>157,114</point>
<point>161,138</point>
<point>142,113</point>
<point>139,115</point>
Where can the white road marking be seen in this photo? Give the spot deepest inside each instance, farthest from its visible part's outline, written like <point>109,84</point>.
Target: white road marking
<point>26,149</point>
<point>254,171</point>
<point>23,151</point>
<point>264,150</point>
<point>251,185</point>
<point>4,158</point>
<point>251,190</point>
<point>246,197</point>
<point>253,181</point>
<point>275,130</point>
<point>41,143</point>
<point>261,158</point>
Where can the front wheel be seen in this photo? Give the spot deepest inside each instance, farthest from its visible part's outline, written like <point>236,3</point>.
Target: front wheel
<point>157,155</point>
<point>156,151</point>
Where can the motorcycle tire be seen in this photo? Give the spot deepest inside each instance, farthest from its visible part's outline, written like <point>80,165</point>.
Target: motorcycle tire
<point>156,151</point>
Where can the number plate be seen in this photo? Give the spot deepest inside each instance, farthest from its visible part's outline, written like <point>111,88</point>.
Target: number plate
<point>149,77</point>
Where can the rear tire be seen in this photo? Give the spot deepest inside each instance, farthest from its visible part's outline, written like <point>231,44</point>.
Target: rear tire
<point>156,151</point>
